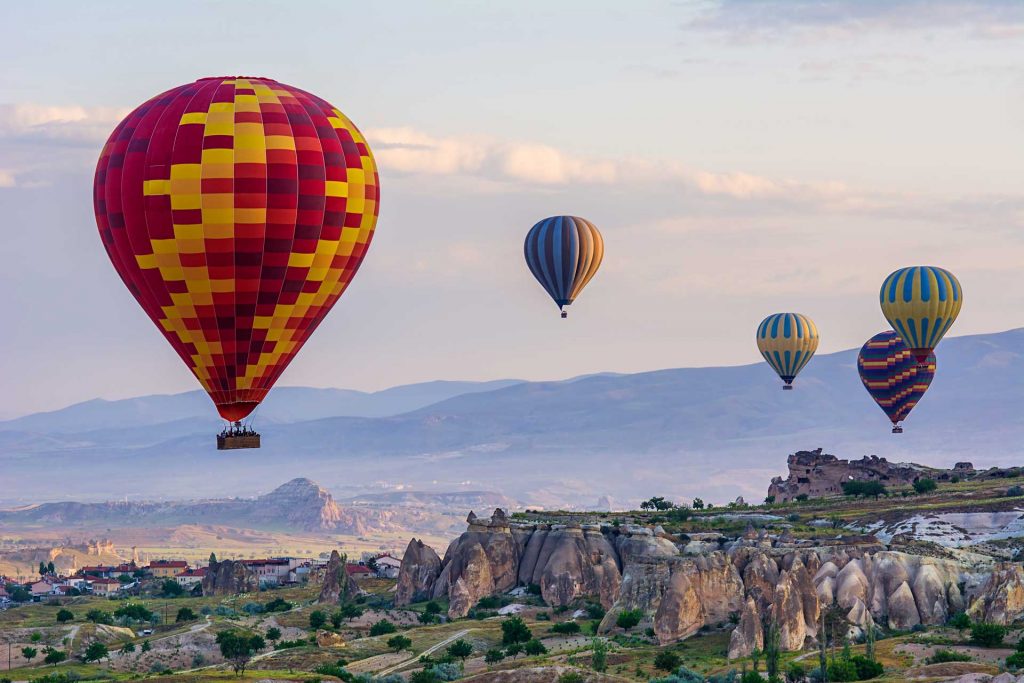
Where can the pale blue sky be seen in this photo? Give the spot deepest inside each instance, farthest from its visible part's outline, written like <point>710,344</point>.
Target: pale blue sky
<point>740,157</point>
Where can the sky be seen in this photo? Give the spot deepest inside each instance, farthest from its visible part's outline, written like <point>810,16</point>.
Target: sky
<point>739,157</point>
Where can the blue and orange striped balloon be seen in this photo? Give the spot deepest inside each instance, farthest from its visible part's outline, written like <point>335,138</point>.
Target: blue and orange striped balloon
<point>787,341</point>
<point>893,377</point>
<point>563,253</point>
<point>921,303</point>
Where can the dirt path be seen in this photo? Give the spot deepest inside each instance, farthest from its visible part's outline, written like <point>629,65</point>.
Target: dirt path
<point>429,651</point>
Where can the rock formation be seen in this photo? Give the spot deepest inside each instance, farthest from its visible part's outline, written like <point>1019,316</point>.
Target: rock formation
<point>752,581</point>
<point>337,586</point>
<point>229,577</point>
<point>816,474</point>
<point>420,569</point>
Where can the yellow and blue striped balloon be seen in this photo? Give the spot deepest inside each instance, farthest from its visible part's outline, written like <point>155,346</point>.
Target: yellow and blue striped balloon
<point>921,303</point>
<point>563,253</point>
<point>787,341</point>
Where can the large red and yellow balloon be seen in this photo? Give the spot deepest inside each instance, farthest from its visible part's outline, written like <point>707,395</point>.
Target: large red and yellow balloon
<point>237,211</point>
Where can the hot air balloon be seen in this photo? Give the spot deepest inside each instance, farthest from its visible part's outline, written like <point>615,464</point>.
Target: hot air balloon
<point>921,303</point>
<point>893,377</point>
<point>563,253</point>
<point>236,210</point>
<point>787,341</point>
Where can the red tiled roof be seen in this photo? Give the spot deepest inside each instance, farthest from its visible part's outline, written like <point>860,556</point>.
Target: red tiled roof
<point>256,562</point>
<point>357,569</point>
<point>201,571</point>
<point>105,582</point>
<point>168,564</point>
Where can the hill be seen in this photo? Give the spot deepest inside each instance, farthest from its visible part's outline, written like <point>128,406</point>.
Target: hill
<point>713,432</point>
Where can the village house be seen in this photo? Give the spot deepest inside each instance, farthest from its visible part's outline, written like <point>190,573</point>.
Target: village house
<point>105,587</point>
<point>387,566</point>
<point>358,571</point>
<point>167,569</point>
<point>190,577</point>
<point>272,571</point>
<point>101,571</point>
<point>41,588</point>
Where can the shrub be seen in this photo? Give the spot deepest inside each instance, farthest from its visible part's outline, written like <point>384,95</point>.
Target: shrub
<point>595,611</point>
<point>278,605</point>
<point>666,660</point>
<point>801,498</point>
<point>98,616</point>
<point>865,489</point>
<point>225,611</point>
<point>185,614</point>
<point>399,643</point>
<point>960,621</point>
<point>925,485</point>
<point>382,627</point>
<point>752,677</point>
<point>943,656</point>
<point>494,655</point>
<point>95,652</point>
<point>866,668</point>
<point>317,619</point>
<point>842,670</point>
<point>566,628</point>
<point>253,608</point>
<point>1014,491</point>
<point>1015,661</point>
<point>571,677</point>
<point>795,672</point>
<point>489,602</point>
<point>988,635</point>
<point>629,618</point>
<point>534,647</point>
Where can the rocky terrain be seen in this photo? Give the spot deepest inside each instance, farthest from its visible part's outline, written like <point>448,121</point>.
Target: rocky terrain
<point>682,587</point>
<point>815,474</point>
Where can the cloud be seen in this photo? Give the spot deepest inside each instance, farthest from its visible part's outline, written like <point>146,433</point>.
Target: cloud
<point>74,125</point>
<point>828,19</point>
<point>7,178</point>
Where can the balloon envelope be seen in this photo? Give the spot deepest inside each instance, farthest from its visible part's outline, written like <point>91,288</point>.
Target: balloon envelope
<point>891,374</point>
<point>563,253</point>
<point>921,303</point>
<point>236,211</point>
<point>787,341</point>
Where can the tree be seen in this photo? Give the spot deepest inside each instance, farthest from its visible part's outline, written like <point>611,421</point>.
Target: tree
<point>54,656</point>
<point>50,568</point>
<point>42,569</point>
<point>864,488</point>
<point>64,615</point>
<point>925,485</point>
<point>213,559</point>
<point>382,627</point>
<point>514,630</point>
<point>988,635</point>
<point>432,608</point>
<point>239,648</point>
<point>19,594</point>
<point>146,647</point>
<point>185,614</point>
<point>98,616</point>
<point>494,655</point>
<point>171,588</point>
<point>795,673</point>
<point>629,618</point>
<point>424,676</point>
<point>460,649</point>
<point>29,653</point>
<point>128,648</point>
<point>566,628</point>
<point>273,634</point>
<point>534,647</point>
<point>134,610</point>
<point>399,643</point>
<point>657,503</point>
<point>698,504</point>
<point>350,611</point>
<point>514,649</point>
<point>95,652</point>
<point>666,660</point>
<point>599,655</point>
<point>771,650</point>
<point>36,636</point>
<point>317,619</point>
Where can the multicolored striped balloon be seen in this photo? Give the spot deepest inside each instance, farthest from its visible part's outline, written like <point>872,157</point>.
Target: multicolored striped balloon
<point>787,341</point>
<point>237,211</point>
<point>921,303</point>
<point>564,253</point>
<point>893,376</point>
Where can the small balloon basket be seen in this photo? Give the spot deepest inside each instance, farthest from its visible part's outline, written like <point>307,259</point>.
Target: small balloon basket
<point>237,437</point>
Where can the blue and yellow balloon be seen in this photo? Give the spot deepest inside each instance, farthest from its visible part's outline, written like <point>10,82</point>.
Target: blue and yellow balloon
<point>563,253</point>
<point>787,341</point>
<point>921,303</point>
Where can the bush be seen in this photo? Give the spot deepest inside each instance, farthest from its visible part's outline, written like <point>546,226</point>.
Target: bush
<point>494,655</point>
<point>567,628</point>
<point>489,602</point>
<point>185,614</point>
<point>666,660</point>
<point>534,647</point>
<point>382,627</point>
<point>629,618</point>
<point>318,619</point>
<point>64,615</point>
<point>960,621</point>
<point>795,672</point>
<point>988,635</point>
<point>98,616</point>
<point>278,605</point>
<point>1015,661</point>
<point>752,677</point>
<point>571,677</point>
<point>801,498</point>
<point>225,611</point>
<point>252,608</point>
<point>943,656</point>
<point>399,643</point>
<point>866,668</point>
<point>171,588</point>
<point>865,489</point>
<point>842,670</point>
<point>595,611</point>
<point>925,485</point>
<point>1014,491</point>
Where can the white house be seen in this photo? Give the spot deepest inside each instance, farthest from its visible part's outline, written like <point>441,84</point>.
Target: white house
<point>388,567</point>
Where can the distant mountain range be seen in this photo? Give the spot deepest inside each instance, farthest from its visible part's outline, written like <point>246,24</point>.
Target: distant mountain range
<point>712,432</point>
